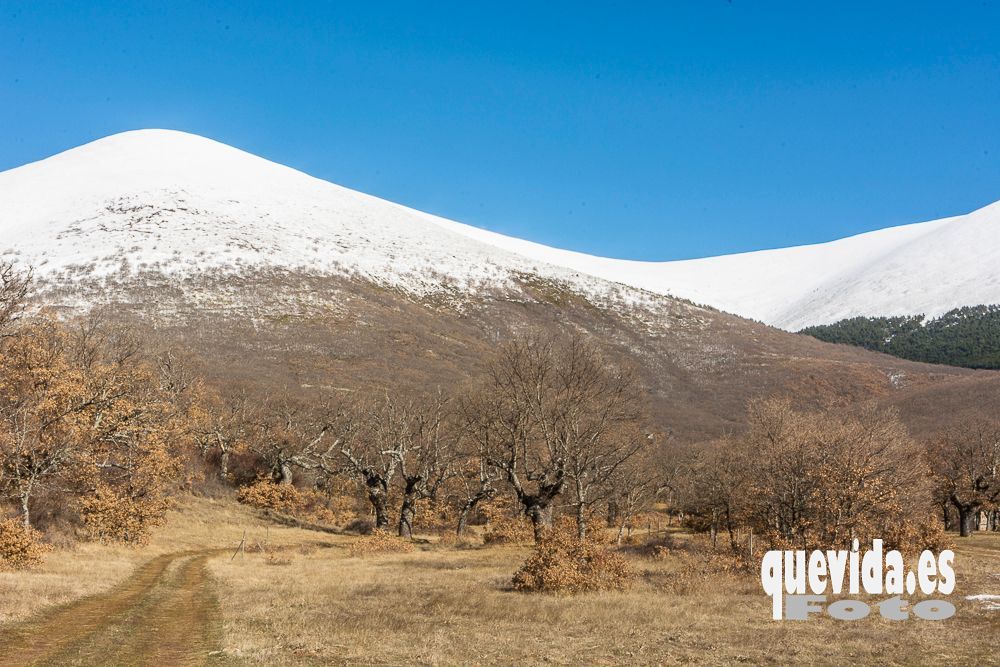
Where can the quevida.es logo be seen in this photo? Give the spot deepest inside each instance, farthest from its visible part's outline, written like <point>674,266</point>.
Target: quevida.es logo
<point>798,583</point>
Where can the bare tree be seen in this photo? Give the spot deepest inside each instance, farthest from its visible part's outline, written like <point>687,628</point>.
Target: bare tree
<point>553,412</point>
<point>82,413</point>
<point>717,486</point>
<point>965,463</point>
<point>426,460</point>
<point>225,428</point>
<point>372,452</point>
<point>606,436</point>
<point>477,481</point>
<point>632,487</point>
<point>814,479</point>
<point>14,286</point>
<point>289,434</point>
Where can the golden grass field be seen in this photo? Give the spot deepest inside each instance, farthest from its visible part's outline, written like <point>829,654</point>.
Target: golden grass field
<point>306,600</point>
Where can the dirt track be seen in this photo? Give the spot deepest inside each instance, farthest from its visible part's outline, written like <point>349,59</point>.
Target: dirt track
<point>162,615</point>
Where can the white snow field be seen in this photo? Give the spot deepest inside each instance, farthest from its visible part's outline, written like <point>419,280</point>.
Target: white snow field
<point>180,203</point>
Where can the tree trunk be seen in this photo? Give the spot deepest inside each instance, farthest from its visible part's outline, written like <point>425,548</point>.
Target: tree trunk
<point>541,518</point>
<point>967,518</point>
<point>412,490</point>
<point>282,473</point>
<point>624,519</point>
<point>612,513</point>
<point>463,514</point>
<point>581,521</point>
<point>25,511</point>
<point>406,514</point>
<point>463,519</point>
<point>378,500</point>
<point>224,464</point>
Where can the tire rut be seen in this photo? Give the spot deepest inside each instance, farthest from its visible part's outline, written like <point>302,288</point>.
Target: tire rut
<point>164,614</point>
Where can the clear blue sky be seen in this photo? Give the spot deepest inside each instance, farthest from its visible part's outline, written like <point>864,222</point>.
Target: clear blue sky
<point>653,130</point>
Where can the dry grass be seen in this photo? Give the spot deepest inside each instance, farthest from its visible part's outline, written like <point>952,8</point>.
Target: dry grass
<point>446,606</point>
<point>303,599</point>
<point>88,568</point>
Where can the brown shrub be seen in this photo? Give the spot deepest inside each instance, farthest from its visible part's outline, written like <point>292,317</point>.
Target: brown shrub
<point>300,503</point>
<point>380,542</point>
<point>914,536</point>
<point>434,517</point>
<point>562,563</point>
<point>266,495</point>
<point>110,517</point>
<point>20,547</point>
<point>505,524</point>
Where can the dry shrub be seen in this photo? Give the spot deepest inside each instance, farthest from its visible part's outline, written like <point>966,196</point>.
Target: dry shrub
<point>434,517</point>
<point>448,538</point>
<point>110,517</point>
<point>563,563</point>
<point>380,542</point>
<point>505,524</point>
<point>658,547</point>
<point>255,548</point>
<point>912,537</point>
<point>301,503</point>
<point>20,546</point>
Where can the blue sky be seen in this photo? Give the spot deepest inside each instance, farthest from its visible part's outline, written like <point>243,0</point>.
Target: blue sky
<point>645,130</point>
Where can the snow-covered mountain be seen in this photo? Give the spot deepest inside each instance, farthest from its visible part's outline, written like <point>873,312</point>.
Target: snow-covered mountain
<point>180,204</point>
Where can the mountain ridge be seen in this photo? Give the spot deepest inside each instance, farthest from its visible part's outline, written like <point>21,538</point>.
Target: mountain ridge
<point>104,207</point>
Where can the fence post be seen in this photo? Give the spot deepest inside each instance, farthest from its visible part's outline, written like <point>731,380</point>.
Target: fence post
<point>241,547</point>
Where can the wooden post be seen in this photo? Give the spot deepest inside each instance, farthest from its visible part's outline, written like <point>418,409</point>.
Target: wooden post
<point>241,547</point>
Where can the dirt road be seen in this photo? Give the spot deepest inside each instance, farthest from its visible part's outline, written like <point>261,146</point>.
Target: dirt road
<point>162,615</point>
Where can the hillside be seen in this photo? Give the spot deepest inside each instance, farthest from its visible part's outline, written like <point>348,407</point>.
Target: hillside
<point>273,277</point>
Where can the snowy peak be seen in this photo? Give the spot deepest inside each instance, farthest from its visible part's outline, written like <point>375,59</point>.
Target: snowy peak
<point>181,204</point>
<point>178,203</point>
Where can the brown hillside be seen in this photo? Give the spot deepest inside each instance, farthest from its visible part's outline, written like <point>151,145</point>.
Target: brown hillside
<point>325,334</point>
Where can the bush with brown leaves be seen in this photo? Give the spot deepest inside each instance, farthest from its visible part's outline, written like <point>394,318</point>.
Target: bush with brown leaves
<point>114,517</point>
<point>20,546</point>
<point>563,563</point>
<point>505,524</point>
<point>380,542</point>
<point>300,503</point>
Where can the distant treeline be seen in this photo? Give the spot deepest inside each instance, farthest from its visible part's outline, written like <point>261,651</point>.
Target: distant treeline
<point>968,336</point>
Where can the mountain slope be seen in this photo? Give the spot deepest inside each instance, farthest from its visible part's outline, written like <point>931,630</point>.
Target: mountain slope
<point>279,280</point>
<point>924,268</point>
<point>180,204</point>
